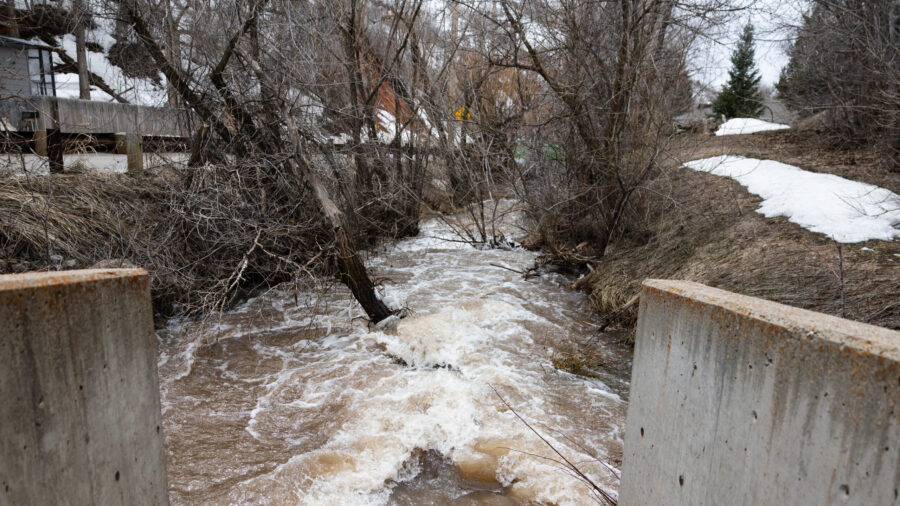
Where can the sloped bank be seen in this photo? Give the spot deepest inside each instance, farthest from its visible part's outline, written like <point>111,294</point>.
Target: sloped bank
<point>209,237</point>
<point>706,229</point>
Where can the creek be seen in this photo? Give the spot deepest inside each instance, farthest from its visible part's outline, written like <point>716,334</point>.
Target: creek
<point>291,398</point>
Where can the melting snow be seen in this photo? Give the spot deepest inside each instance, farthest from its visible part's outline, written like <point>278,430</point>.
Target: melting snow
<point>141,91</point>
<point>747,126</point>
<point>847,211</point>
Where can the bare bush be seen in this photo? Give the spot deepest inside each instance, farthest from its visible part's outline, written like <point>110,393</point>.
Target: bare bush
<point>207,237</point>
<point>606,75</point>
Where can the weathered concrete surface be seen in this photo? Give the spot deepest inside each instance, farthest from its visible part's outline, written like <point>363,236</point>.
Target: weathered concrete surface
<point>79,393</point>
<point>737,400</point>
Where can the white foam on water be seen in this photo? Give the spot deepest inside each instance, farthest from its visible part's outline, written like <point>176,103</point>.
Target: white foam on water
<point>439,410</point>
<point>453,336</point>
<point>339,413</point>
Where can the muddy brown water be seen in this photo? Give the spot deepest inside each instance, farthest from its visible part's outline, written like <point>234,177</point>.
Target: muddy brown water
<point>292,399</point>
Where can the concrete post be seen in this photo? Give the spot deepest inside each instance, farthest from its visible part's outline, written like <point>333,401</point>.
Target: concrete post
<point>741,401</point>
<point>40,142</point>
<point>135,153</point>
<point>79,393</point>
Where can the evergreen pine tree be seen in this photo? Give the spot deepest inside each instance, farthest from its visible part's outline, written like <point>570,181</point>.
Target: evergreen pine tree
<point>741,98</point>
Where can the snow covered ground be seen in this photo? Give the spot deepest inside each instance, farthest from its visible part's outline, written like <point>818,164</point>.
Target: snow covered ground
<point>845,210</point>
<point>737,126</point>
<point>20,165</point>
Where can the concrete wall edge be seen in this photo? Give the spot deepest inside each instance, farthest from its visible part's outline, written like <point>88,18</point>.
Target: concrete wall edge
<point>56,278</point>
<point>879,340</point>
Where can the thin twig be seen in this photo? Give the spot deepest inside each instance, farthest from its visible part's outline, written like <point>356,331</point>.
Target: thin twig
<point>579,474</point>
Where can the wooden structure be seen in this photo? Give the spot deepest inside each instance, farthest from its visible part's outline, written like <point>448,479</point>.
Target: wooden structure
<point>28,103</point>
<point>69,115</point>
<point>50,119</point>
<point>26,69</point>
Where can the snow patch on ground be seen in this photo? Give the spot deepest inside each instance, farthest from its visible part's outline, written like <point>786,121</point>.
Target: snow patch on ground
<point>847,211</point>
<point>16,165</point>
<point>737,126</point>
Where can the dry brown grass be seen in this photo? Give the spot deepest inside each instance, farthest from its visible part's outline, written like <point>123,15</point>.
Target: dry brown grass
<point>71,214</point>
<point>707,230</point>
<point>582,363</point>
<point>207,237</point>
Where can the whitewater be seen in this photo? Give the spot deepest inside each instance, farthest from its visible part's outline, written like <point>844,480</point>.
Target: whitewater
<point>293,398</point>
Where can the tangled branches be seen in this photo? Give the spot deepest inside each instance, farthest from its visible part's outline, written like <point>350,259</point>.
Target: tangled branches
<point>207,236</point>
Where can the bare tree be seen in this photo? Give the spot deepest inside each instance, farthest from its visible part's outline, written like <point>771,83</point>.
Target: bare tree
<point>608,70</point>
<point>81,16</point>
<point>239,126</point>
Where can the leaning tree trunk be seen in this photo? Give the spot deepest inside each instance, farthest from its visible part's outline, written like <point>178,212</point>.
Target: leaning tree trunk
<point>353,271</point>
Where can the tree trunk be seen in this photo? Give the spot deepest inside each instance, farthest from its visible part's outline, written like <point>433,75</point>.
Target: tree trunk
<point>355,82</point>
<point>353,271</point>
<point>198,146</point>
<point>174,53</point>
<point>84,78</point>
<point>11,14</point>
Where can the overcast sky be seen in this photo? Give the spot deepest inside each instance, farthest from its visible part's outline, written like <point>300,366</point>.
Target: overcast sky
<point>773,21</point>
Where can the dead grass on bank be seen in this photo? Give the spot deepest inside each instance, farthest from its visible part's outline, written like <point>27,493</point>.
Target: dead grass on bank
<point>706,229</point>
<point>581,362</point>
<point>207,237</point>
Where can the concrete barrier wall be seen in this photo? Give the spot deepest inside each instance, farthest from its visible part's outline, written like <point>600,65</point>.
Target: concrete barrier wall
<point>79,393</point>
<point>737,400</point>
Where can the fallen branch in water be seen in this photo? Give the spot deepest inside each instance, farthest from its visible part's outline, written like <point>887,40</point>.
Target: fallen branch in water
<point>611,318</point>
<point>508,268</point>
<point>527,273</point>
<point>566,463</point>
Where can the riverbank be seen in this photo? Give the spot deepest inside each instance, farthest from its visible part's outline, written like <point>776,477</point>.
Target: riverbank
<point>707,230</point>
<point>210,236</point>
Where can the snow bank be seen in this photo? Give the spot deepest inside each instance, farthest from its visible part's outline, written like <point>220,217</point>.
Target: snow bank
<point>747,126</point>
<point>845,210</point>
<point>140,91</point>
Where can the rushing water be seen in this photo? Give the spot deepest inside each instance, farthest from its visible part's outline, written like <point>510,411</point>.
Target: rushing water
<point>271,404</point>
